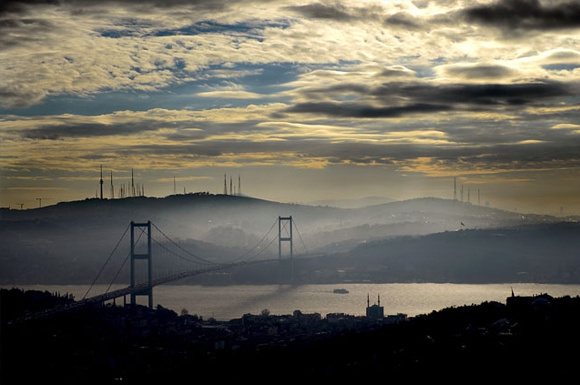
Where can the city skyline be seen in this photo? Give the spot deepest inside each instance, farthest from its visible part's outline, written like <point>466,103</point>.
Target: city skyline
<point>303,100</point>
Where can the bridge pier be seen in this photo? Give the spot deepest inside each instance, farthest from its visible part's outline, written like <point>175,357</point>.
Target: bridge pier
<point>135,256</point>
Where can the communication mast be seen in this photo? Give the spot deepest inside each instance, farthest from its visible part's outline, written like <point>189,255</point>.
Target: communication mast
<point>112,187</point>
<point>101,182</point>
<point>132,184</point>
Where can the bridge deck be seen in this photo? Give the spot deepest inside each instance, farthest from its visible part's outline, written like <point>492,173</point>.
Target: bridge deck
<point>136,289</point>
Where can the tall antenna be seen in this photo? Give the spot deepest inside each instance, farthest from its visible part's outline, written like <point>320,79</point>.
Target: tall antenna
<point>174,186</point>
<point>112,188</point>
<point>231,189</point>
<point>101,182</point>
<point>454,188</point>
<point>132,184</point>
<point>239,185</point>
<point>225,185</point>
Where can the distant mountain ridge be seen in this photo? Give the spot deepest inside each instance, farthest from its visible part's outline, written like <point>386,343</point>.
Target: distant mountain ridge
<point>351,203</point>
<point>67,242</point>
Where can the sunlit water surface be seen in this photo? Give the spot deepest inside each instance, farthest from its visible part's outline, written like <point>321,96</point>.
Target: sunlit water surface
<point>228,302</point>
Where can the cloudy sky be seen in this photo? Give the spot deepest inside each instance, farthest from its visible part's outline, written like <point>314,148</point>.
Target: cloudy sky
<point>304,100</point>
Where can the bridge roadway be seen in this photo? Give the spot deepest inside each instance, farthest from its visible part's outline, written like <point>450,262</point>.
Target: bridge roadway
<point>136,289</point>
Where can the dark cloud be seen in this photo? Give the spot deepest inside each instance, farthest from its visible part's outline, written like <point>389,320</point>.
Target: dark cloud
<point>426,98</point>
<point>337,12</point>
<point>476,94</point>
<point>21,6</point>
<point>526,15</point>
<point>322,11</point>
<point>87,130</point>
<point>14,32</point>
<point>359,110</point>
<point>480,71</point>
<point>181,131</point>
<point>403,19</point>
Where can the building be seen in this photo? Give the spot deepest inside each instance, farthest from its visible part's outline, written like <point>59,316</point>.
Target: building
<point>376,311</point>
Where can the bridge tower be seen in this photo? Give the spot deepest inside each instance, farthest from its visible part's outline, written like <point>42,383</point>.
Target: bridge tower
<point>142,256</point>
<point>286,236</point>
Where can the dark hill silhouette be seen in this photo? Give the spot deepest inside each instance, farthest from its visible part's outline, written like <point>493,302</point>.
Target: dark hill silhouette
<point>351,203</point>
<point>542,253</point>
<point>525,340</point>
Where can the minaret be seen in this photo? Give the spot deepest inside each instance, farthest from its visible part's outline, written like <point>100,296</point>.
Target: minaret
<point>101,182</point>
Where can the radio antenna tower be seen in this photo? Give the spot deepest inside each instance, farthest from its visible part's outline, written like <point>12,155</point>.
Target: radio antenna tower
<point>454,188</point>
<point>239,185</point>
<point>132,184</point>
<point>101,182</point>
<point>225,185</point>
<point>112,187</point>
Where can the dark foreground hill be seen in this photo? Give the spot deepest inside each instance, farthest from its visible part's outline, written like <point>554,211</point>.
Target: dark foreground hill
<point>528,338</point>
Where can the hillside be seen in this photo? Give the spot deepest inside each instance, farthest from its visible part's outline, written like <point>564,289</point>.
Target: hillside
<point>69,242</point>
<point>541,253</point>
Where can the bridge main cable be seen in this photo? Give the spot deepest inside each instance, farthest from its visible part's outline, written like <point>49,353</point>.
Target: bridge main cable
<point>107,262</point>
<point>197,257</point>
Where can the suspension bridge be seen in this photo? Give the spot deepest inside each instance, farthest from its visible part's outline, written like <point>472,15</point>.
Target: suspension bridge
<point>155,259</point>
